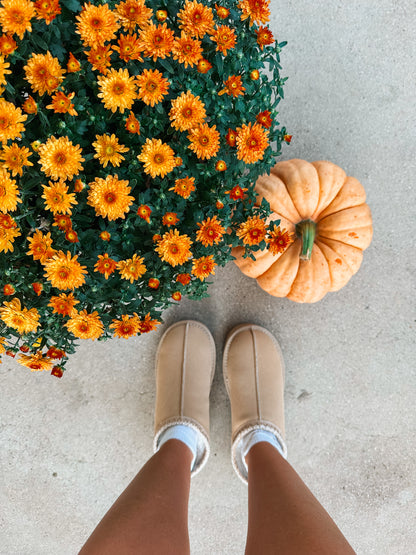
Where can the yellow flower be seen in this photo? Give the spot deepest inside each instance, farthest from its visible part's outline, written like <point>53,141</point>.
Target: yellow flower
<point>210,231</point>
<point>252,141</point>
<point>184,186</point>
<point>63,304</point>
<point>36,362</point>
<point>187,111</point>
<point>186,50</point>
<point>22,320</point>
<point>8,192</point>
<point>44,73</point>
<point>126,327</point>
<point>11,121</point>
<point>252,231</point>
<point>105,265</point>
<point>152,86</point>
<point>57,198</point>
<point>196,19</point>
<point>65,272</point>
<point>15,157</point>
<point>96,24</point>
<point>117,90</point>
<point>158,158</point>
<point>40,246</point>
<point>132,13</point>
<point>110,197</point>
<point>156,41</point>
<point>60,159</point>
<point>108,150</point>
<point>174,248</point>
<point>203,267</point>
<point>85,325</point>
<point>132,269</point>
<point>15,16</point>
<point>205,141</point>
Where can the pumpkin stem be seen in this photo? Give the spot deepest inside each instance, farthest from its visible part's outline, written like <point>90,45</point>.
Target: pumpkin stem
<point>306,230</point>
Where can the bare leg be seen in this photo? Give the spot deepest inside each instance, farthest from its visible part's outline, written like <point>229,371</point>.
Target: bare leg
<point>283,515</point>
<point>151,515</point>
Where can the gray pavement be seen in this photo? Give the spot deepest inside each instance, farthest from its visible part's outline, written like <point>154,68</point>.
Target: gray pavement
<point>70,446</point>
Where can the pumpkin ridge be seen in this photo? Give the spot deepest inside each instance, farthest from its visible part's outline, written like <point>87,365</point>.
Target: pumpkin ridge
<point>332,179</point>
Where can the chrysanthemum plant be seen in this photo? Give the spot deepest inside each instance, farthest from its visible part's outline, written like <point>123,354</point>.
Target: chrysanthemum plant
<point>132,135</point>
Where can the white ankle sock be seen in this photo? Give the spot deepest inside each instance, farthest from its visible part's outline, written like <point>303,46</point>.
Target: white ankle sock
<point>255,437</point>
<point>184,433</point>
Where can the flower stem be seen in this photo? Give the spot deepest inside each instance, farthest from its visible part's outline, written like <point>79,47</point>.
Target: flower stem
<point>306,230</point>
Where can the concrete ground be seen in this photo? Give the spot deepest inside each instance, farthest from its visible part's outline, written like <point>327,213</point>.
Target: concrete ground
<point>70,446</point>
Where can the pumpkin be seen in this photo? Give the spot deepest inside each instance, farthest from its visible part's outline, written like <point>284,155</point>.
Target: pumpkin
<point>331,224</point>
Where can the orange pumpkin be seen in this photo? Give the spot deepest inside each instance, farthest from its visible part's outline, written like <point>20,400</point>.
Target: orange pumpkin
<point>331,222</point>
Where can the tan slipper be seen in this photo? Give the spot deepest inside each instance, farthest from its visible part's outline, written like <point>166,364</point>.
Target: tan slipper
<point>253,369</point>
<point>185,365</point>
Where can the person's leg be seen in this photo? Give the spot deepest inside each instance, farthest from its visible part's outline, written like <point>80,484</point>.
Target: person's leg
<point>283,515</point>
<point>151,515</point>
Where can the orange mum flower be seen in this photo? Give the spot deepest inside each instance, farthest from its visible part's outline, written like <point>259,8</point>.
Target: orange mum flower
<point>264,37</point>
<point>40,246</point>
<point>44,73</point>
<point>219,205</point>
<point>147,324</point>
<point>184,186</point>
<point>252,141</point>
<point>64,271</point>
<point>15,157</point>
<point>73,64</point>
<point>105,265</point>
<point>185,279</point>
<point>62,221</point>
<point>225,38</point>
<point>210,231</point>
<point>152,86</point>
<point>7,237</point>
<point>186,50</point>
<point>105,236</point>
<point>57,198</point>
<point>110,197</point>
<point>99,57</point>
<point>287,138</point>
<point>47,10</point>
<point>30,106</point>
<point>96,24</point>
<point>264,119</point>
<point>132,124</point>
<point>117,90</point>
<point>177,296</point>
<point>60,159</point>
<point>55,353</point>
<point>132,269</point>
<point>37,288</point>
<point>156,41</point>
<point>195,19</point>
<point>61,104</point>
<point>71,236</point>
<point>252,231</point>
<point>220,166</point>
<point>203,267</point>
<point>18,318</point>
<point>257,10</point>
<point>8,289</point>
<point>255,75</point>
<point>236,193</point>
<point>203,66</point>
<point>15,16</point>
<point>153,283</point>
<point>85,326</point>
<point>126,327</point>
<point>128,48</point>
<point>231,137</point>
<point>8,192</point>
<point>174,248</point>
<point>144,212</point>
<point>205,141</point>
<point>36,362</point>
<point>170,218</point>
<point>233,86</point>
<point>132,13</point>
<point>3,70</point>
<point>63,304</point>
<point>278,239</point>
<point>187,111</point>
<point>7,45</point>
<point>108,149</point>
<point>222,12</point>
<point>11,121</point>
<point>161,15</point>
<point>158,158</point>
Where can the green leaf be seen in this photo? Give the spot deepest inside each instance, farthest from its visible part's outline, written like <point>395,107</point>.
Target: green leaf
<point>72,5</point>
